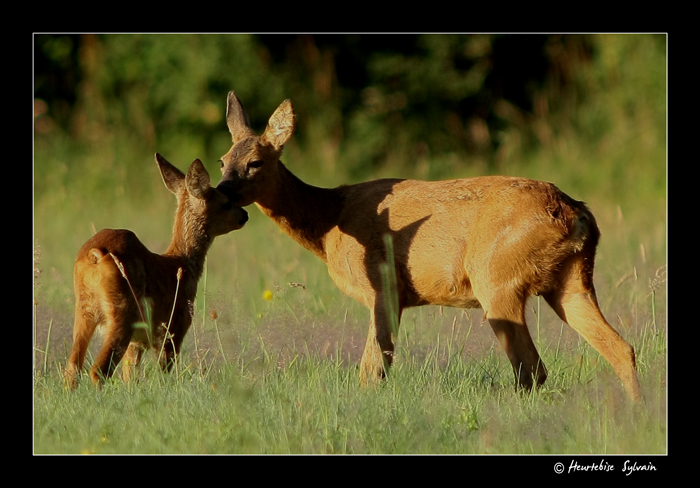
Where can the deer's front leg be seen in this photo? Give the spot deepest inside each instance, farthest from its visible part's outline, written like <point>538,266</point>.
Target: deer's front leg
<point>379,348</point>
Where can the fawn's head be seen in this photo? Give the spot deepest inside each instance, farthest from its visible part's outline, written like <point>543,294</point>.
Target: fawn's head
<point>250,167</point>
<point>199,205</point>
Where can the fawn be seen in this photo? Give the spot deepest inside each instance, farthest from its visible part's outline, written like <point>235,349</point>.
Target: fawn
<point>115,273</point>
<point>487,242</point>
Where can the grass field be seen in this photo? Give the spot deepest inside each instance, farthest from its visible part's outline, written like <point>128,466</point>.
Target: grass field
<point>271,364</point>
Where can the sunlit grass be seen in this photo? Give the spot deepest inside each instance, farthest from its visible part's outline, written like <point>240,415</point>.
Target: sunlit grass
<point>434,401</point>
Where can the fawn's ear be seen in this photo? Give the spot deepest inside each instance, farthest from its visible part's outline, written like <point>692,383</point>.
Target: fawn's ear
<point>280,127</point>
<point>237,119</point>
<point>197,179</point>
<point>172,177</point>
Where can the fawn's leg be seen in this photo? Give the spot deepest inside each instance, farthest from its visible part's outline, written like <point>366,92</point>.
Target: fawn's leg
<point>167,356</point>
<point>132,360</point>
<point>83,329</point>
<point>117,338</point>
<point>172,340</point>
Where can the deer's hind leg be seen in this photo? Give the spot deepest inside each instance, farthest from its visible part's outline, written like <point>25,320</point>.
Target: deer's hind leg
<point>576,304</point>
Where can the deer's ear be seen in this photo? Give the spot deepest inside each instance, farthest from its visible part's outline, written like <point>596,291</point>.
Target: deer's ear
<point>280,127</point>
<point>237,119</point>
<point>197,179</point>
<point>172,177</point>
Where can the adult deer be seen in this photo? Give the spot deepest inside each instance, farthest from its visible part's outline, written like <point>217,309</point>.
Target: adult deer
<point>487,242</point>
<point>114,273</point>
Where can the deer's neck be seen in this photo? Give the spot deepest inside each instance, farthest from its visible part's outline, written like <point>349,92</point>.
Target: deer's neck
<point>190,242</point>
<point>305,212</point>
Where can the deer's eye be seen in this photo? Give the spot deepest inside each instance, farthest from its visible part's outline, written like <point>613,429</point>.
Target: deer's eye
<point>253,166</point>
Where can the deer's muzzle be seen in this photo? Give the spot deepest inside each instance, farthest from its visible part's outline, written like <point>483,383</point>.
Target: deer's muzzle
<point>229,189</point>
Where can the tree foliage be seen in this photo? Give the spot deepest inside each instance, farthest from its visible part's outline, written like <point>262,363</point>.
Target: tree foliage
<point>368,99</point>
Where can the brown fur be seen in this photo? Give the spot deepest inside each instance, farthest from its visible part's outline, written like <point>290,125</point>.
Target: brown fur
<point>103,296</point>
<point>487,242</point>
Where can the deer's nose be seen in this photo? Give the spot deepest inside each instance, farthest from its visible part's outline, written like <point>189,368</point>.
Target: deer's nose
<point>244,217</point>
<point>227,188</point>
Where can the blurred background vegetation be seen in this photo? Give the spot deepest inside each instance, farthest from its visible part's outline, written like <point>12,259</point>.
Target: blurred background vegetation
<point>431,105</point>
<point>587,112</point>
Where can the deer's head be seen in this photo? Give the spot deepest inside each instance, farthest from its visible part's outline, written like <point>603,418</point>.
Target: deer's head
<point>249,169</point>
